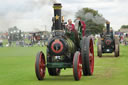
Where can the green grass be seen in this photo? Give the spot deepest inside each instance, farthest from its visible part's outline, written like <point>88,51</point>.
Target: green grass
<point>17,67</point>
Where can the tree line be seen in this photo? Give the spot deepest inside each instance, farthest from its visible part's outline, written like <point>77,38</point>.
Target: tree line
<point>124,27</point>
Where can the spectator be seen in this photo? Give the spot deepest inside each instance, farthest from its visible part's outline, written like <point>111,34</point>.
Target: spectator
<point>1,43</point>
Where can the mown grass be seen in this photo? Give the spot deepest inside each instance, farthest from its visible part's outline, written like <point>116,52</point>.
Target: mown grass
<point>17,67</point>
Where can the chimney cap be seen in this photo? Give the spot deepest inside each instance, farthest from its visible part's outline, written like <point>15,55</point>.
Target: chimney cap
<point>57,6</point>
<point>107,22</point>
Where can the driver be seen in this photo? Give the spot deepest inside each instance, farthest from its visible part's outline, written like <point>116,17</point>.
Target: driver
<point>70,26</point>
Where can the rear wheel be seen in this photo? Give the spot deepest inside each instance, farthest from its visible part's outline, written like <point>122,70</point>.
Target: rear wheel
<point>116,47</point>
<point>99,48</point>
<point>40,66</point>
<point>116,50</point>
<point>77,66</point>
<point>87,52</point>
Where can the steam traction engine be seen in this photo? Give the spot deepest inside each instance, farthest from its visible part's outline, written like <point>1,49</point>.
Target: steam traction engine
<point>64,50</point>
<point>108,42</point>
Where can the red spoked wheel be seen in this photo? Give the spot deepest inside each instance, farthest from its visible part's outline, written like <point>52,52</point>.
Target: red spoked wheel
<point>40,66</point>
<point>91,57</point>
<point>77,66</point>
<point>87,52</point>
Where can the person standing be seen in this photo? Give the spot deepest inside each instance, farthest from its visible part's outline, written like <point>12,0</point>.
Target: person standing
<point>70,26</point>
<point>83,25</point>
<point>1,43</point>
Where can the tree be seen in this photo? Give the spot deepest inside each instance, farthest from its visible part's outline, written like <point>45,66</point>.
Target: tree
<point>124,27</point>
<point>94,21</point>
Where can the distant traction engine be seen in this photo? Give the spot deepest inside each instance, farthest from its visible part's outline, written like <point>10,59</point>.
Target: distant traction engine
<point>108,42</point>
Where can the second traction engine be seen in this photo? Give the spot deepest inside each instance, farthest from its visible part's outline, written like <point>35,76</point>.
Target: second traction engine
<point>108,42</point>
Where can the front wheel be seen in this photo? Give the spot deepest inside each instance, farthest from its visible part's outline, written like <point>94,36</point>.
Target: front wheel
<point>40,66</point>
<point>77,66</point>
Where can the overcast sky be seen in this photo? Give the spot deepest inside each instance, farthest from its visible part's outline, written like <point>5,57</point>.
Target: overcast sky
<point>30,15</point>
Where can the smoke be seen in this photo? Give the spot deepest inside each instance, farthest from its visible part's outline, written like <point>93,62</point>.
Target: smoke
<point>89,16</point>
<point>40,3</point>
<point>96,19</point>
<point>45,1</point>
<point>30,14</point>
<point>99,20</point>
<point>67,14</point>
<point>8,20</point>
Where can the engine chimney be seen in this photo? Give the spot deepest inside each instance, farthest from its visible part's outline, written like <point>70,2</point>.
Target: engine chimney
<point>108,27</point>
<point>57,15</point>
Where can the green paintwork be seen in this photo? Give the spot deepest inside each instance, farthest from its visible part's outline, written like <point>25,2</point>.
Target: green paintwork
<point>59,65</point>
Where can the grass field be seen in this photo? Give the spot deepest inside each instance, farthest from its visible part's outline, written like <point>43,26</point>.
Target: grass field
<point>17,68</point>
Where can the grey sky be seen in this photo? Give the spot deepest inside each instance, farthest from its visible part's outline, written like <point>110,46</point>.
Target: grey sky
<point>32,14</point>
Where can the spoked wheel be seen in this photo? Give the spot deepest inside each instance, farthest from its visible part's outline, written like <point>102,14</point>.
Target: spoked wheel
<point>87,52</point>
<point>99,48</point>
<point>77,66</point>
<point>117,48</point>
<point>40,66</point>
<point>54,71</point>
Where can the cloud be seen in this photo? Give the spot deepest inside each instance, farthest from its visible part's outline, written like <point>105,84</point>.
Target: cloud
<point>113,10</point>
<point>27,15</point>
<point>30,14</point>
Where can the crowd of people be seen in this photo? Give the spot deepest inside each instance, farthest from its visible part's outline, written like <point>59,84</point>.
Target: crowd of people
<point>123,38</point>
<point>70,26</point>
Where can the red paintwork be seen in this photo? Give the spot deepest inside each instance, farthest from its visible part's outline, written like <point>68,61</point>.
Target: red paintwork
<point>91,56</point>
<point>41,65</point>
<point>108,42</point>
<point>61,45</point>
<point>79,66</point>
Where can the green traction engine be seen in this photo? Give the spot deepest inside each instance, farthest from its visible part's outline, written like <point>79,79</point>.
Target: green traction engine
<point>65,49</point>
<point>108,42</point>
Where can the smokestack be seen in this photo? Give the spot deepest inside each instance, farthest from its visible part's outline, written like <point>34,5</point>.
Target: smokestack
<point>57,15</point>
<point>108,27</point>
